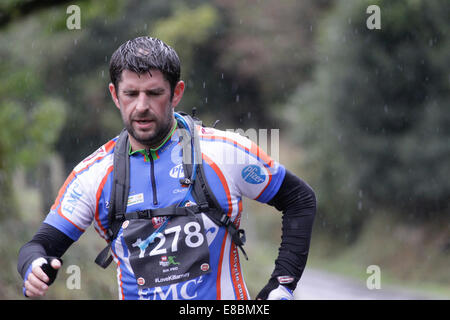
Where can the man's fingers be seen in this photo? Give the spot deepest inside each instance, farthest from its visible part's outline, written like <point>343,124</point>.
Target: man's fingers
<point>36,282</point>
<point>32,291</point>
<point>40,274</point>
<point>56,264</point>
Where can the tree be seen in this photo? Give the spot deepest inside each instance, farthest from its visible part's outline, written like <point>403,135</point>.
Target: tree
<point>374,123</point>
<point>32,113</point>
<point>14,9</point>
<point>266,51</point>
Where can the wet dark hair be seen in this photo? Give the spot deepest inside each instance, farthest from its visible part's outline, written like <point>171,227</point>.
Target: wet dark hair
<point>143,54</point>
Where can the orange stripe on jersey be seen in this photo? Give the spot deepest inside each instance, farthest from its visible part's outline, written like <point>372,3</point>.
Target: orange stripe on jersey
<point>98,155</point>
<point>120,275</point>
<point>107,147</point>
<point>235,266</point>
<point>98,195</point>
<point>62,191</point>
<point>236,274</point>
<point>268,183</point>
<point>72,175</point>
<point>230,209</point>
<point>222,180</point>
<point>219,270</point>
<point>254,149</point>
<point>63,216</point>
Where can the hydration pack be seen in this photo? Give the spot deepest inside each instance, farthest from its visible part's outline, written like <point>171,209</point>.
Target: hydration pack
<point>194,178</point>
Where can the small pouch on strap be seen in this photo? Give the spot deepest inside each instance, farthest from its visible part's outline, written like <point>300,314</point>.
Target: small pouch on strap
<point>238,237</point>
<point>104,258</point>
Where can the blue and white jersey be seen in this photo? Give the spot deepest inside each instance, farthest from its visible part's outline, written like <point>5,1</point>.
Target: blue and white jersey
<point>234,166</point>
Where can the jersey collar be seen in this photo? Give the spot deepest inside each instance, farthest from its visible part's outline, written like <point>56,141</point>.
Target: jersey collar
<point>154,152</point>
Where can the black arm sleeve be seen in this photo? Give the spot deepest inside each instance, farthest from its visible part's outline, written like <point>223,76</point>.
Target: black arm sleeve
<point>47,242</point>
<point>297,201</point>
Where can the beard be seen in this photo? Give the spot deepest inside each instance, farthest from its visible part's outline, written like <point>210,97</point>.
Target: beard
<point>155,133</point>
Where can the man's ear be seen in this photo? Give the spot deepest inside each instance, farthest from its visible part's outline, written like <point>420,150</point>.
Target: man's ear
<point>112,90</point>
<point>177,93</point>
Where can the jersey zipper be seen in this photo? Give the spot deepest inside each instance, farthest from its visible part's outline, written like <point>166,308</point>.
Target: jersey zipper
<point>152,177</point>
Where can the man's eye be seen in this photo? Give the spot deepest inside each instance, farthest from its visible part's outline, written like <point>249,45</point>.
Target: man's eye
<point>131,94</point>
<point>154,93</point>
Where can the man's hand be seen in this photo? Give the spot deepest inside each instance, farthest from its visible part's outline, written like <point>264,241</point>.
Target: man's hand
<point>280,293</point>
<point>277,289</point>
<point>41,276</point>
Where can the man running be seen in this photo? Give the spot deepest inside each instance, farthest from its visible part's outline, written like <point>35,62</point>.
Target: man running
<point>163,218</point>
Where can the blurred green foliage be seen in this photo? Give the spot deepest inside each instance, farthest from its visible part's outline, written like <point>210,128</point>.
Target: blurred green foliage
<point>30,121</point>
<point>187,29</point>
<point>367,110</point>
<point>374,123</point>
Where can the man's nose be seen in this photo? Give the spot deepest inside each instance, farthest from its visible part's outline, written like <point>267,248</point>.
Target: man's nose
<point>143,101</point>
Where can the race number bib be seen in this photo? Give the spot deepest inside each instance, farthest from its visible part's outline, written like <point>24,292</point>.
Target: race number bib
<point>176,252</point>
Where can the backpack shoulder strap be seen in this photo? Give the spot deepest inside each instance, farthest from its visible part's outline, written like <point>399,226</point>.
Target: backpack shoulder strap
<point>202,192</point>
<point>194,175</point>
<point>119,195</point>
<point>121,180</point>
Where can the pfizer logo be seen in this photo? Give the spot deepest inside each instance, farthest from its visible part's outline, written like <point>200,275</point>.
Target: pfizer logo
<point>177,171</point>
<point>252,174</point>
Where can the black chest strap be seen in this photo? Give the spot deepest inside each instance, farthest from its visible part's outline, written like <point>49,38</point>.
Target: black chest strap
<point>206,202</point>
<point>119,195</point>
<point>202,192</point>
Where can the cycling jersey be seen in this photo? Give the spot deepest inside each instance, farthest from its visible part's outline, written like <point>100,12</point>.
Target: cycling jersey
<point>234,166</point>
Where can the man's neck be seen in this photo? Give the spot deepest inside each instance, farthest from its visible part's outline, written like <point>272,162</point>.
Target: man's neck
<point>135,145</point>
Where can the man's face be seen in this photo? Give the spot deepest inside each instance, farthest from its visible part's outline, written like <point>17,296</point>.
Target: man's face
<point>146,106</point>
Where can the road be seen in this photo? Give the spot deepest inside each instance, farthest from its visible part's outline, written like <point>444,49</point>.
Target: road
<point>321,285</point>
